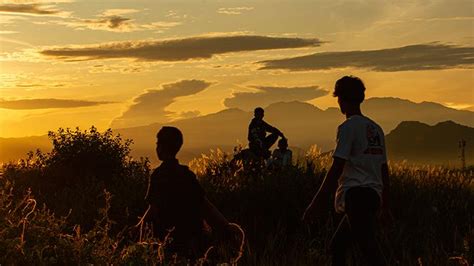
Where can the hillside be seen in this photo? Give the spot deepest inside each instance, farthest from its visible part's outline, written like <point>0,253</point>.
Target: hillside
<point>419,142</point>
<point>12,149</point>
<point>303,123</point>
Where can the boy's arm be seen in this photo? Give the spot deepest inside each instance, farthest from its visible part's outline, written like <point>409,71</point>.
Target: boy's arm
<point>215,218</point>
<point>386,187</point>
<point>271,129</point>
<point>386,216</point>
<point>151,197</point>
<point>325,194</point>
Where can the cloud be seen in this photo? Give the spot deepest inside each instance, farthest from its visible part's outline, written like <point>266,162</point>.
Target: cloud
<point>233,10</point>
<point>265,96</point>
<point>29,104</point>
<point>150,107</point>
<point>8,32</point>
<point>407,58</point>
<point>110,23</point>
<point>35,1</point>
<point>4,19</point>
<point>178,49</point>
<point>112,20</point>
<point>188,114</point>
<point>119,12</point>
<point>35,9</point>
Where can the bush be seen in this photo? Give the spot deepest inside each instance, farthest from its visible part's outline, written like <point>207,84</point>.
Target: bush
<point>71,179</point>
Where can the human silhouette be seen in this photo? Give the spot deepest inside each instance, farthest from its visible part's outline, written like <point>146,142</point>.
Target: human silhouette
<point>259,142</point>
<point>282,156</point>
<point>178,202</point>
<point>359,177</point>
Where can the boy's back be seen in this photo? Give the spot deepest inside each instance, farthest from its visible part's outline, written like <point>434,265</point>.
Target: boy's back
<point>178,198</point>
<point>360,141</point>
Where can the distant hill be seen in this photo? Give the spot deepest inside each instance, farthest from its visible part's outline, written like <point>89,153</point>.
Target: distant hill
<point>303,123</point>
<point>389,112</point>
<point>419,142</point>
<point>12,149</point>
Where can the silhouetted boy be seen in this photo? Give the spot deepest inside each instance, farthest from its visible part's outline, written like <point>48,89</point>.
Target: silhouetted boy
<point>360,167</point>
<point>178,201</point>
<point>259,142</point>
<point>282,156</point>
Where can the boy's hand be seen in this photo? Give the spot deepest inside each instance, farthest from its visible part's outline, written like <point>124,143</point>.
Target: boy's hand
<point>386,216</point>
<point>308,214</point>
<point>233,234</point>
<point>314,211</point>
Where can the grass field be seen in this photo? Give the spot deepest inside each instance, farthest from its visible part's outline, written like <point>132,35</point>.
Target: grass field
<point>83,203</point>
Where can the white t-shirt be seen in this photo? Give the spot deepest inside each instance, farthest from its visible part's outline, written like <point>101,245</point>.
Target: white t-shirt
<point>282,158</point>
<point>360,141</point>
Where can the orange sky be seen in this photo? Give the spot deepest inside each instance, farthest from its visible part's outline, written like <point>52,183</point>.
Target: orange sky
<point>125,63</point>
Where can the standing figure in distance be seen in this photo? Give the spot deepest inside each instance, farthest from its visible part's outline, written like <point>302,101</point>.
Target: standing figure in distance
<point>177,200</point>
<point>359,177</point>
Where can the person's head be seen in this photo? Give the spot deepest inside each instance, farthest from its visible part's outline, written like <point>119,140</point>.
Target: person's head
<point>283,144</point>
<point>259,113</point>
<point>168,142</point>
<point>350,92</point>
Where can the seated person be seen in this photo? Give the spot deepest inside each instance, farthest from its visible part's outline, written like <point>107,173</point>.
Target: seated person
<point>178,201</point>
<point>282,156</point>
<point>259,142</point>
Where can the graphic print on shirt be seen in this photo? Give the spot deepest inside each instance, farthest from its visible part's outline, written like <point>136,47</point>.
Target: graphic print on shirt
<point>374,144</point>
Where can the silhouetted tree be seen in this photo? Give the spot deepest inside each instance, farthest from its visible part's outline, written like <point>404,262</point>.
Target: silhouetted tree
<point>73,176</point>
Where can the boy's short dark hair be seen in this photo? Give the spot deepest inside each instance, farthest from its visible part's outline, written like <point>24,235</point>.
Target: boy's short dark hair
<point>171,139</point>
<point>283,141</point>
<point>258,110</point>
<point>350,89</point>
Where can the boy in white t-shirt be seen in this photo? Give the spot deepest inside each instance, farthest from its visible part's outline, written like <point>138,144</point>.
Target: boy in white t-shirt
<point>358,175</point>
<point>282,156</point>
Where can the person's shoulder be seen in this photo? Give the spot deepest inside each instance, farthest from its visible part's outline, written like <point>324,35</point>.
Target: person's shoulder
<point>357,120</point>
<point>156,172</point>
<point>184,170</point>
<point>374,124</point>
<point>346,124</point>
<point>253,122</point>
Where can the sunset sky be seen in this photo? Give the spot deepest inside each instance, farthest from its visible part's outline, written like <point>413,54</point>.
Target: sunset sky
<point>129,63</point>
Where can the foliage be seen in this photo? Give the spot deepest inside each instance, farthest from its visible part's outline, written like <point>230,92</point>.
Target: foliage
<point>70,179</point>
<point>30,235</point>
<point>88,204</point>
<point>433,209</point>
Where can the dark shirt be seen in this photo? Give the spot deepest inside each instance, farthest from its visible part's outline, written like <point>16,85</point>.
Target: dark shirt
<point>178,198</point>
<point>258,130</point>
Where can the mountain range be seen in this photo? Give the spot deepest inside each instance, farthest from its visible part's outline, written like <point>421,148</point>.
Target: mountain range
<point>421,143</point>
<point>302,123</point>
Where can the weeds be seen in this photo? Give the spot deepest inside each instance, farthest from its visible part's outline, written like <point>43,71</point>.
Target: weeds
<point>103,220</point>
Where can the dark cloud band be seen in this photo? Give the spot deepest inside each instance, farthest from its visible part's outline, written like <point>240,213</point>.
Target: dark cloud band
<point>29,104</point>
<point>407,58</point>
<point>35,9</point>
<point>178,49</point>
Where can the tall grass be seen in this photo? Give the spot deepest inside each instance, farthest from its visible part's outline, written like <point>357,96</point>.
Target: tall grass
<point>433,209</point>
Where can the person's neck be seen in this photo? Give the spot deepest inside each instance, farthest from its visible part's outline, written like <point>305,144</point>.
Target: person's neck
<point>353,111</point>
<point>170,160</point>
